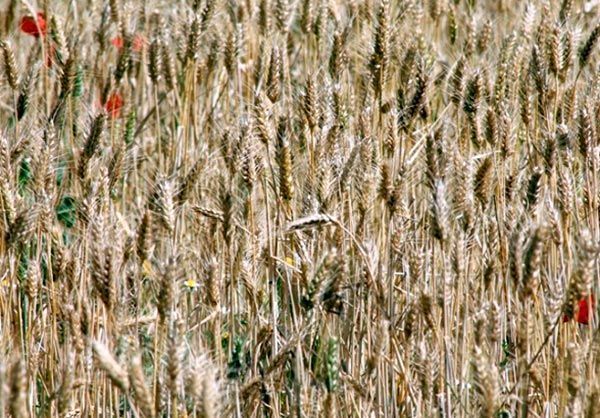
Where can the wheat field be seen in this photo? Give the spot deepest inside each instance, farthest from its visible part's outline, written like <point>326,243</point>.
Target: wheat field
<point>299,208</point>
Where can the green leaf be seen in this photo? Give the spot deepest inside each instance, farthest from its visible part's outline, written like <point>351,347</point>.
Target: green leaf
<point>23,264</point>
<point>235,367</point>
<point>24,174</point>
<point>66,211</point>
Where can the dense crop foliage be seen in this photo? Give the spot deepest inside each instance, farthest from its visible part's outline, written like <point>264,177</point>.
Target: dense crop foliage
<point>264,208</point>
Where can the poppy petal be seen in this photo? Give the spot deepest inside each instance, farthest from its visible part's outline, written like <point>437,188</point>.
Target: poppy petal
<point>34,26</point>
<point>137,43</point>
<point>117,42</point>
<point>585,307</point>
<point>113,105</point>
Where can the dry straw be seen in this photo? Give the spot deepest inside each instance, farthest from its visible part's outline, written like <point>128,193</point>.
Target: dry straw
<point>299,208</point>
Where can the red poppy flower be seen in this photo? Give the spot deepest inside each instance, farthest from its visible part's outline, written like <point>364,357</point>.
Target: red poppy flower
<point>585,310</point>
<point>117,42</point>
<point>137,44</point>
<point>34,26</point>
<point>113,105</point>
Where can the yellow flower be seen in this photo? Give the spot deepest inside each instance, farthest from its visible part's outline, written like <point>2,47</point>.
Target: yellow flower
<point>147,269</point>
<point>5,283</point>
<point>191,284</point>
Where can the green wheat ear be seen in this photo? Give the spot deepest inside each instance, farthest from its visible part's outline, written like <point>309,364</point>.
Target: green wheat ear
<point>24,92</point>
<point>332,376</point>
<point>78,83</point>
<point>130,127</point>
